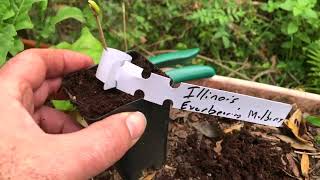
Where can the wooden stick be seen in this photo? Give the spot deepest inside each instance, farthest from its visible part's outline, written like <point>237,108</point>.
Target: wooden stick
<point>124,25</point>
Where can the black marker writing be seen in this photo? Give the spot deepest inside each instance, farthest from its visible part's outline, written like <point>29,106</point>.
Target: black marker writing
<point>191,92</point>
<point>184,105</point>
<point>234,100</point>
<point>204,94</point>
<point>187,105</point>
<point>266,116</point>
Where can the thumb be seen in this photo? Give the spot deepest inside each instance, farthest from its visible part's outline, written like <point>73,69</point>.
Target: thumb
<point>99,146</point>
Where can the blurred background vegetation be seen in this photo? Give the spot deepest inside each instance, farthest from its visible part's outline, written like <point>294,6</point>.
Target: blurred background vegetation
<point>274,41</point>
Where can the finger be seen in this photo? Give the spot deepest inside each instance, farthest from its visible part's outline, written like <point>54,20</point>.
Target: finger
<point>103,142</point>
<point>36,65</point>
<point>47,88</point>
<point>52,121</point>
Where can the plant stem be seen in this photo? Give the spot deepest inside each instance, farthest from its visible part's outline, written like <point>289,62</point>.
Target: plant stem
<point>96,12</point>
<point>101,34</point>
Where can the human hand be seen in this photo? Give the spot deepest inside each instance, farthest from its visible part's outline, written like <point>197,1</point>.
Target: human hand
<point>38,142</point>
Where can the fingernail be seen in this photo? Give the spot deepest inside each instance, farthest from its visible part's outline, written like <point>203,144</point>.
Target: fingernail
<point>136,123</point>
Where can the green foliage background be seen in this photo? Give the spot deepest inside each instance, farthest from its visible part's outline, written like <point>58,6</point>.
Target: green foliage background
<point>274,42</point>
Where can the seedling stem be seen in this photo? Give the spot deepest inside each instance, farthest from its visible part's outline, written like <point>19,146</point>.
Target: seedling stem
<point>96,12</point>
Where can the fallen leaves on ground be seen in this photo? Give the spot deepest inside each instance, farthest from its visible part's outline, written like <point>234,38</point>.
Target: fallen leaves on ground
<point>305,165</point>
<point>218,147</point>
<point>265,136</point>
<point>294,123</point>
<point>149,176</point>
<point>178,114</point>
<point>293,166</point>
<point>234,127</point>
<point>207,129</point>
<point>296,144</point>
<point>181,134</point>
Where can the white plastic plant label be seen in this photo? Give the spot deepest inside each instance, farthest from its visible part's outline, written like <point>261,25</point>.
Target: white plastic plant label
<point>200,99</point>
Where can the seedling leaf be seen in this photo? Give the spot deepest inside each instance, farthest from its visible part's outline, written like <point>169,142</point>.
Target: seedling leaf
<point>63,105</point>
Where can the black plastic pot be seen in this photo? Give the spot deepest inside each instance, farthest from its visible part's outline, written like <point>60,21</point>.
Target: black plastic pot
<point>150,150</point>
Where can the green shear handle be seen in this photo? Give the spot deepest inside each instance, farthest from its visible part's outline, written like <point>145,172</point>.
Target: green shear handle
<point>186,73</point>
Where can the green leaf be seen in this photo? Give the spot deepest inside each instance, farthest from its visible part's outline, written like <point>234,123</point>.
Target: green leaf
<point>63,105</point>
<point>5,10</point>
<point>5,47</point>
<point>297,11</point>
<point>304,37</point>
<point>86,44</point>
<point>23,22</point>
<point>309,13</point>
<point>226,41</point>
<point>288,5</point>
<point>90,19</point>
<point>17,46</point>
<point>313,120</point>
<point>21,19</point>
<point>7,34</point>
<point>64,45</point>
<point>287,45</point>
<point>64,13</point>
<point>44,5</point>
<point>292,28</point>
<point>68,12</point>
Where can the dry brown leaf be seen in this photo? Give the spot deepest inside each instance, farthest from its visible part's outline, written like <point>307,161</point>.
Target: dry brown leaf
<point>296,144</point>
<point>284,163</point>
<point>305,165</point>
<point>181,134</point>
<point>169,167</point>
<point>294,122</point>
<point>207,129</point>
<point>264,128</point>
<point>194,117</point>
<point>293,166</point>
<point>311,154</point>
<point>175,113</point>
<point>149,176</point>
<point>315,168</point>
<point>235,127</point>
<point>265,136</point>
<point>218,147</point>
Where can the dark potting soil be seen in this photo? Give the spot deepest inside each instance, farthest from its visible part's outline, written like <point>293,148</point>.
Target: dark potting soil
<point>242,155</point>
<point>86,91</point>
<point>193,156</point>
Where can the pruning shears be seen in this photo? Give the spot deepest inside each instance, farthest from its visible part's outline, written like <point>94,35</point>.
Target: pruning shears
<point>184,73</point>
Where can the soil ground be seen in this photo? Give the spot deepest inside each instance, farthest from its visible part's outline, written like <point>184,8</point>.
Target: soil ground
<point>235,150</point>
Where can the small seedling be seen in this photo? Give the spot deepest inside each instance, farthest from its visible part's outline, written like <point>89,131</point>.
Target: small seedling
<point>97,12</point>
